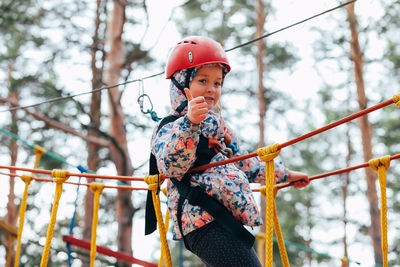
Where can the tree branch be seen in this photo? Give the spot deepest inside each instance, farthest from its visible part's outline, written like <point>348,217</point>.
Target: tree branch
<point>59,126</point>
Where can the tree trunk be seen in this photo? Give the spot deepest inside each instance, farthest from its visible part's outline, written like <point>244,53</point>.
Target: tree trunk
<point>11,215</point>
<point>260,54</point>
<point>95,116</point>
<point>119,149</point>
<point>366,135</point>
<point>262,105</point>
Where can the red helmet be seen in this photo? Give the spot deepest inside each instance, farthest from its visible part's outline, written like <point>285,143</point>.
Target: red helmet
<point>195,51</point>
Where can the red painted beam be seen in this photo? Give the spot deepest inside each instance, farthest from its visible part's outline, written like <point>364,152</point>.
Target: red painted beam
<point>121,256</point>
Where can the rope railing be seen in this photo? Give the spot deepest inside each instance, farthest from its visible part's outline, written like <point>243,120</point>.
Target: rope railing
<point>279,186</point>
<point>86,175</point>
<point>394,99</point>
<point>39,179</point>
<point>266,154</point>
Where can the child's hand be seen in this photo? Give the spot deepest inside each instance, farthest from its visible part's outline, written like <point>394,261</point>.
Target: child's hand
<point>197,109</point>
<point>298,179</point>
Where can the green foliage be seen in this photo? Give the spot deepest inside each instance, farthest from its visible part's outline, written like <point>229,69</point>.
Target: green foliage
<point>279,56</point>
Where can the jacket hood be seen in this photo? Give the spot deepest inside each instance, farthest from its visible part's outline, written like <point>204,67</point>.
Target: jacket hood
<point>176,95</point>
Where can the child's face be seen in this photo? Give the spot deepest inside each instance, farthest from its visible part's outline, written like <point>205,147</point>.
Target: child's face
<point>207,83</point>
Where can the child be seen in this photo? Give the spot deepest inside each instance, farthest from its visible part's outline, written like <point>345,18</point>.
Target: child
<point>209,208</point>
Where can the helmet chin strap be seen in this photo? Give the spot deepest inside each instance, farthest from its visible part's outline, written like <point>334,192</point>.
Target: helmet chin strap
<point>182,87</point>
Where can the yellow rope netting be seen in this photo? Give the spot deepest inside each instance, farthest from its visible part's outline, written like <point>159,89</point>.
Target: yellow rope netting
<point>97,189</point>
<point>381,165</point>
<point>267,154</point>
<point>60,176</point>
<point>154,182</point>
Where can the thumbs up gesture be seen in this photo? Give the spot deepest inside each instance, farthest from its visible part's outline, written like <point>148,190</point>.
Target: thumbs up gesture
<point>197,109</point>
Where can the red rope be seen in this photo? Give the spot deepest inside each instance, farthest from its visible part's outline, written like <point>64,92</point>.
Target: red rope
<point>67,182</point>
<point>120,256</point>
<point>87,175</point>
<point>323,175</point>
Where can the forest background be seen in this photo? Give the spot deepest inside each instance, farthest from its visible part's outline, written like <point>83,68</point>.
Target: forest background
<point>281,87</point>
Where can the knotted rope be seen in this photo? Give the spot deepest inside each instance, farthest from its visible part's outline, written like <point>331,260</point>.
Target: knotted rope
<point>60,176</point>
<point>381,165</point>
<point>97,189</point>
<point>396,100</point>
<point>344,261</point>
<point>39,152</point>
<point>154,182</point>
<point>267,154</point>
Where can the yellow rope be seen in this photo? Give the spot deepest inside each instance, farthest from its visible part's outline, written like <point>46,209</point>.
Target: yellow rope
<point>396,100</point>
<point>97,189</point>
<point>267,154</point>
<point>60,176</point>
<point>381,165</point>
<point>260,236</point>
<point>154,182</point>
<point>279,237</point>
<point>164,190</point>
<point>39,151</point>
<point>27,180</point>
<point>278,231</point>
<point>344,261</point>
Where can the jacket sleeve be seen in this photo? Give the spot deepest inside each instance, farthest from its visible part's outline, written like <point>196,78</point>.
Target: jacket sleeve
<point>254,168</point>
<point>174,147</point>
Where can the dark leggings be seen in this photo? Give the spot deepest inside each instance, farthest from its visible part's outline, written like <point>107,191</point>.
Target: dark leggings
<point>216,247</point>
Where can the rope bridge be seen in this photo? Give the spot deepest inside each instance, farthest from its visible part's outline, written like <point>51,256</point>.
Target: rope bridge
<point>267,154</point>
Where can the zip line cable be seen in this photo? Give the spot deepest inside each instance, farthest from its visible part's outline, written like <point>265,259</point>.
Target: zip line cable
<point>160,73</point>
<point>290,26</point>
<point>80,94</point>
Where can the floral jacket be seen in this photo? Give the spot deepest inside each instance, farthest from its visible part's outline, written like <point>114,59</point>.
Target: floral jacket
<point>174,147</point>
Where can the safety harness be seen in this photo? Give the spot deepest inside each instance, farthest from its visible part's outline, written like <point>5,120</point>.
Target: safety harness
<point>196,195</point>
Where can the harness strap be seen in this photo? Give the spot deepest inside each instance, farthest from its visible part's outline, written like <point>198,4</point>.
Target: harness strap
<point>196,196</point>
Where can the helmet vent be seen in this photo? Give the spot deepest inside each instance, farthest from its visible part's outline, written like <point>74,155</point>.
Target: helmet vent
<point>188,42</point>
